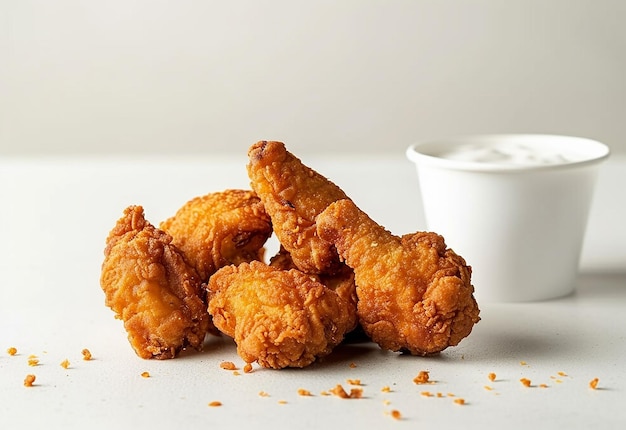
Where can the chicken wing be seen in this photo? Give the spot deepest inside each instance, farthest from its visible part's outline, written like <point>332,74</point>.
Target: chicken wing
<point>227,227</point>
<point>279,318</point>
<point>414,293</point>
<point>293,195</point>
<point>151,288</point>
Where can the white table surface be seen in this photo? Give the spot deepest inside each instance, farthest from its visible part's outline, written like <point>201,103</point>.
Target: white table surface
<point>55,215</point>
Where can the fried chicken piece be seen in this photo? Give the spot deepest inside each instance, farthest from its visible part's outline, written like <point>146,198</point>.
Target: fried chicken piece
<point>279,318</point>
<point>414,294</point>
<point>151,288</point>
<point>340,281</point>
<point>293,195</point>
<point>221,228</point>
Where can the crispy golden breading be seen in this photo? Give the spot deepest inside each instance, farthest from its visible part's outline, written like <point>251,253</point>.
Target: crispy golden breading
<point>221,228</point>
<point>279,318</point>
<point>341,282</point>
<point>414,294</point>
<point>293,195</point>
<point>152,289</point>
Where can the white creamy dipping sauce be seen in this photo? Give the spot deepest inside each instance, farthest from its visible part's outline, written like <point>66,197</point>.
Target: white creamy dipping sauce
<point>507,153</point>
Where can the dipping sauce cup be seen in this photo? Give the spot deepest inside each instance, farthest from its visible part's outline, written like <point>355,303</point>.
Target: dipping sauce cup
<point>515,206</point>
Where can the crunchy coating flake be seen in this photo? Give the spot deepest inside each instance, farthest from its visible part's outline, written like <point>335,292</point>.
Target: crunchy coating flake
<point>220,228</point>
<point>279,318</point>
<point>151,288</point>
<point>414,294</point>
<point>293,195</point>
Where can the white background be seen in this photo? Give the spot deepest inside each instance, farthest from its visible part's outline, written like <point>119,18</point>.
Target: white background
<point>83,79</point>
<point>196,76</point>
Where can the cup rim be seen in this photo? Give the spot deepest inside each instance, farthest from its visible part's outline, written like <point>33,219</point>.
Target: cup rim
<point>426,152</point>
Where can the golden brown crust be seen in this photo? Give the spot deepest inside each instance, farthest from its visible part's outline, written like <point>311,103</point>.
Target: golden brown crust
<point>414,293</point>
<point>279,318</point>
<point>221,228</point>
<point>336,270</point>
<point>340,281</point>
<point>293,195</point>
<point>150,287</point>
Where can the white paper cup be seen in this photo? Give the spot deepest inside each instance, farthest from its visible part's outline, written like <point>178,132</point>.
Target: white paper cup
<point>519,219</point>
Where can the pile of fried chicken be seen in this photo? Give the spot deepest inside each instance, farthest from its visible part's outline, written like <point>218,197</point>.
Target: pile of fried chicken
<point>202,271</point>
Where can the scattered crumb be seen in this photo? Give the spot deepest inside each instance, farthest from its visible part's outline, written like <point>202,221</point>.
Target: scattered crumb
<point>593,384</point>
<point>263,394</point>
<point>488,388</point>
<point>386,389</point>
<point>492,376</point>
<point>247,368</point>
<point>228,365</point>
<point>426,394</point>
<point>525,382</point>
<point>33,362</point>
<point>523,363</point>
<point>65,363</point>
<point>355,393</point>
<point>339,392</point>
<point>304,393</point>
<point>353,381</point>
<point>32,356</point>
<point>557,380</point>
<point>12,350</point>
<point>86,354</point>
<point>236,373</point>
<point>29,380</point>
<point>543,386</point>
<point>145,374</point>
<point>422,378</point>
<point>352,365</point>
<point>215,403</point>
<point>561,373</point>
<point>386,402</point>
<point>282,402</point>
<point>440,395</point>
<point>450,394</point>
<point>395,414</point>
<point>324,393</point>
<point>459,401</point>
